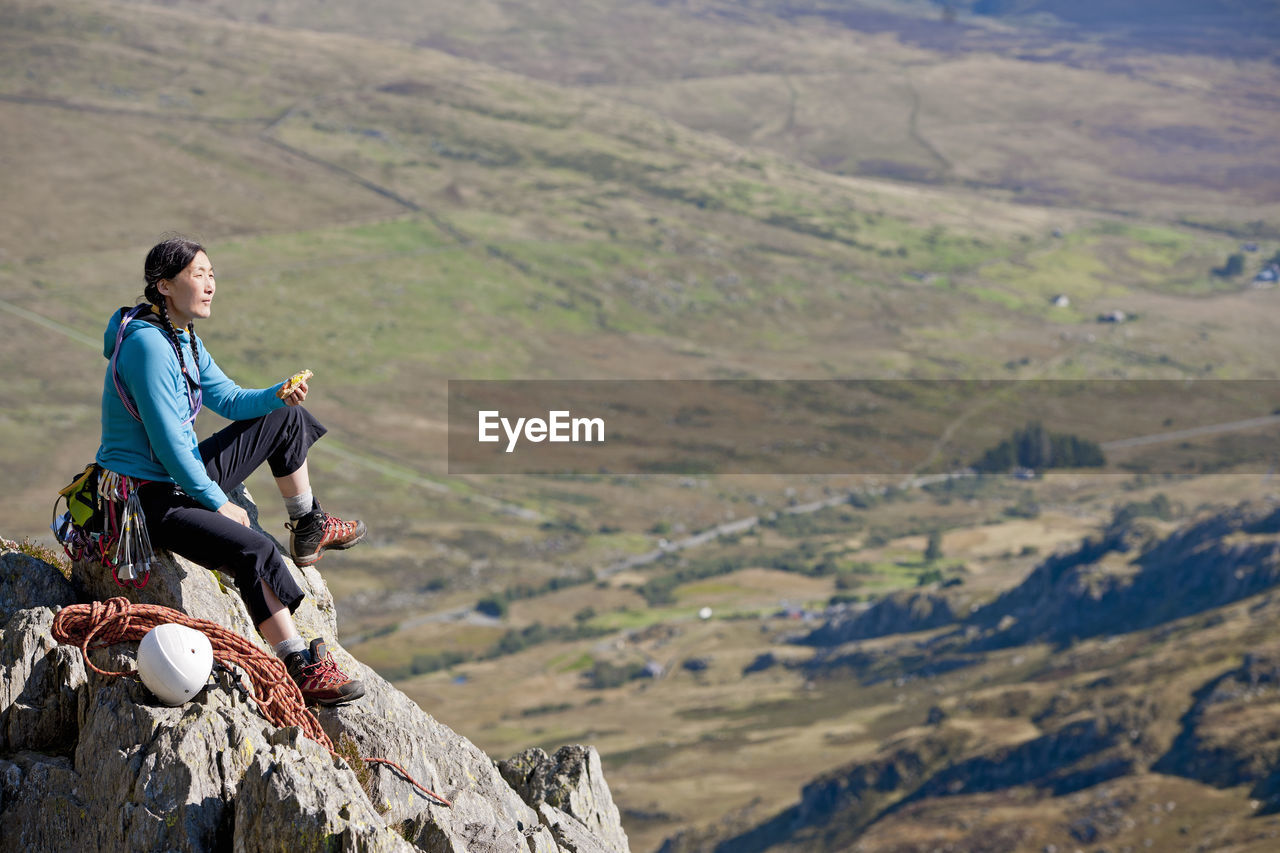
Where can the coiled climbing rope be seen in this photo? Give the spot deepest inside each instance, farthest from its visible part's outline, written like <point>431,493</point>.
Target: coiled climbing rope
<point>117,620</point>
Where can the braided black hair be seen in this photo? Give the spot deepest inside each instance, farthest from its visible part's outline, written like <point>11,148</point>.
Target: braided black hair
<point>165,260</point>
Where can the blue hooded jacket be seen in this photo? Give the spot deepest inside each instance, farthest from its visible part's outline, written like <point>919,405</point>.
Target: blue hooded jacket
<point>162,447</point>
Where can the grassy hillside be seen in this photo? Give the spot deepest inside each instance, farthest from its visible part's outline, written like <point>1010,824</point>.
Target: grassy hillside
<point>1080,742</point>
<point>551,232</point>
<point>1181,127</point>
<point>741,721</point>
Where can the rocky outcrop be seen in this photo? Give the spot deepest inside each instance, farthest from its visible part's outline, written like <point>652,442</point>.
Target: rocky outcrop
<point>570,793</point>
<point>1074,756</point>
<point>39,693</point>
<point>1231,733</point>
<point>40,701</point>
<point>1220,559</point>
<point>203,776</point>
<point>836,806</point>
<point>898,613</point>
<point>27,583</point>
<point>89,762</point>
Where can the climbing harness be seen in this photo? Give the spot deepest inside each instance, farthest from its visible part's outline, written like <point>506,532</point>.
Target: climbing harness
<point>104,523</point>
<point>276,695</point>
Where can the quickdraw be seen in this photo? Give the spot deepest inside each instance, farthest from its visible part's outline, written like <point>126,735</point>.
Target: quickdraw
<point>104,524</point>
<point>131,564</point>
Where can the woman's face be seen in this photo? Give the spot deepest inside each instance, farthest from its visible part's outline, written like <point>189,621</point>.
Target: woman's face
<point>189,294</point>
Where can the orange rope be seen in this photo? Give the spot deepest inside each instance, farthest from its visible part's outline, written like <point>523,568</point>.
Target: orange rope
<point>118,620</point>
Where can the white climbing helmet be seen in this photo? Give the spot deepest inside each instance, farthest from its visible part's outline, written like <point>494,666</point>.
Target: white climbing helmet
<point>174,662</point>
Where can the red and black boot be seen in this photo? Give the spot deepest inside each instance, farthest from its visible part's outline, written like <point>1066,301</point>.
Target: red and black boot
<point>317,675</point>
<point>317,532</point>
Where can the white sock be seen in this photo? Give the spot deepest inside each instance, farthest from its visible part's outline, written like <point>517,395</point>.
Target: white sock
<point>287,647</point>
<point>299,506</point>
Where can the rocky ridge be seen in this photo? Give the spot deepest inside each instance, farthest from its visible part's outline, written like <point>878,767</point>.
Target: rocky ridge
<point>89,762</point>
<point>900,612</point>
<point>1083,741</point>
<point>1227,556</point>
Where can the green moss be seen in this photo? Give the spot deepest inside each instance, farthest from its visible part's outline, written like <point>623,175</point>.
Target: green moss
<point>346,747</point>
<point>40,552</point>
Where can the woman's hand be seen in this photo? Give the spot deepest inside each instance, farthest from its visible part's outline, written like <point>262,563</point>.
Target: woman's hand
<point>294,389</point>
<point>297,395</point>
<point>234,512</point>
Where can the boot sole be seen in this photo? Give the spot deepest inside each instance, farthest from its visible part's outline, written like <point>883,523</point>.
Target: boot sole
<point>340,700</point>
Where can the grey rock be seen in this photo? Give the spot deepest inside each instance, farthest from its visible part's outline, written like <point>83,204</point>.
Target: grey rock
<point>38,809</point>
<point>149,777</point>
<point>26,582</point>
<point>486,813</point>
<point>96,763</point>
<point>570,833</point>
<point>900,612</point>
<point>39,690</point>
<point>528,774</point>
<point>573,784</point>
<point>289,812</point>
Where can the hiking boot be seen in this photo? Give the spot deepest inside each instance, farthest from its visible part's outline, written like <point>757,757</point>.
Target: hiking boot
<point>317,532</point>
<point>318,677</point>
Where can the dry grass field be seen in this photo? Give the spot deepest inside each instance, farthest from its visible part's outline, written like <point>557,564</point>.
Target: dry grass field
<point>1178,123</point>
<point>717,748</point>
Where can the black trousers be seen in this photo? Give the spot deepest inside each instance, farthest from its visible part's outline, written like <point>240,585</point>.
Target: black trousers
<point>178,523</point>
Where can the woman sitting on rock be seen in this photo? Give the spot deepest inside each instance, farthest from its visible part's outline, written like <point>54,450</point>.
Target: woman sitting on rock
<point>159,376</point>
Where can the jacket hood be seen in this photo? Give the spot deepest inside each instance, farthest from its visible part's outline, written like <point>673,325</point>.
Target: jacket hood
<point>113,327</point>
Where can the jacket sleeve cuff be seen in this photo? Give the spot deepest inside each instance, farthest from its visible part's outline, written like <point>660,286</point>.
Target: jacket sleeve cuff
<point>213,497</point>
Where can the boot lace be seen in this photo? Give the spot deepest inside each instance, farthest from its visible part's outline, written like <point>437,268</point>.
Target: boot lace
<point>325,672</point>
<point>335,528</point>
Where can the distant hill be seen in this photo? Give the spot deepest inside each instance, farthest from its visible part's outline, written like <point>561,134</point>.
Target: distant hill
<point>1004,101</point>
<point>1082,593</point>
<point>1081,745</point>
<point>594,237</point>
